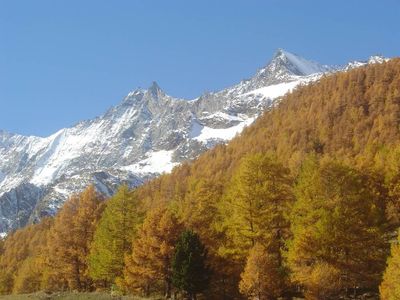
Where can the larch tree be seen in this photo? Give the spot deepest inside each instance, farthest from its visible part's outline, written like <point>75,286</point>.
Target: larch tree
<point>199,208</point>
<point>70,239</point>
<point>390,286</point>
<point>257,205</point>
<point>149,265</point>
<point>255,211</point>
<point>21,264</point>
<point>29,277</point>
<point>32,271</point>
<point>113,236</point>
<point>338,226</point>
<point>5,279</point>
<point>261,278</point>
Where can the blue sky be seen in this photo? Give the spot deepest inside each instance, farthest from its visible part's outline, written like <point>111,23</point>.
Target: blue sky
<point>65,61</point>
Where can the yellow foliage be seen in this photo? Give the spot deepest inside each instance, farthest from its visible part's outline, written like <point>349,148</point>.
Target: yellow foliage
<point>149,265</point>
<point>390,286</point>
<point>262,278</point>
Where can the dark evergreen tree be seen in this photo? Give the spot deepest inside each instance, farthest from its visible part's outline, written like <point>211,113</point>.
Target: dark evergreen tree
<point>190,273</point>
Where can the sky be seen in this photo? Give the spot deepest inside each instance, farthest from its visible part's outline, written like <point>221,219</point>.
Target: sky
<point>65,61</point>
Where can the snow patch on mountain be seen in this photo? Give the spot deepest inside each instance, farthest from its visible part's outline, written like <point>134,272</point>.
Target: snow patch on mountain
<point>156,162</point>
<point>278,90</point>
<point>223,116</point>
<point>206,134</point>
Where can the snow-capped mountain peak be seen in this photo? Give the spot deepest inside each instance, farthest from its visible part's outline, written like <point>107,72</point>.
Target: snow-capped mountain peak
<point>285,64</point>
<point>148,133</point>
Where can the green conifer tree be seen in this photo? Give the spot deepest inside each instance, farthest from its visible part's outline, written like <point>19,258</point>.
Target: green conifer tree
<point>189,271</point>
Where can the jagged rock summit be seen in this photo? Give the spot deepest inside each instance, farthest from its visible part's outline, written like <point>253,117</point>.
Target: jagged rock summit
<point>147,134</point>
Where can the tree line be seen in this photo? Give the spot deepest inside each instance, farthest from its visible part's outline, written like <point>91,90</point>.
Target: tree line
<point>304,202</point>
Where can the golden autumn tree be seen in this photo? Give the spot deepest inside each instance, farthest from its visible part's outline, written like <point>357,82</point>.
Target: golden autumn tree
<point>70,239</point>
<point>324,281</point>
<point>261,278</point>
<point>389,161</point>
<point>255,211</point>
<point>149,265</point>
<point>32,271</point>
<point>113,236</point>
<point>199,207</point>
<point>5,278</point>
<point>338,226</point>
<point>23,259</point>
<point>390,286</point>
<point>256,205</point>
<point>29,277</point>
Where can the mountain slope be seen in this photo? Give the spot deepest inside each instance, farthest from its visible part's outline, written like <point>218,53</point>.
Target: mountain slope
<point>148,133</point>
<point>351,116</point>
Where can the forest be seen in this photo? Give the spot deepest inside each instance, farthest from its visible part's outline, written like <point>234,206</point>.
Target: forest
<point>304,203</point>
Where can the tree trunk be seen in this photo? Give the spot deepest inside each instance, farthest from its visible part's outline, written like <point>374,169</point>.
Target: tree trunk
<point>167,288</point>
<point>147,290</point>
<point>77,275</point>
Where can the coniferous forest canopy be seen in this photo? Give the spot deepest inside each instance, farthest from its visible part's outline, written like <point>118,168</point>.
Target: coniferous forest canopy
<point>305,202</point>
